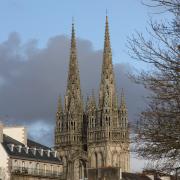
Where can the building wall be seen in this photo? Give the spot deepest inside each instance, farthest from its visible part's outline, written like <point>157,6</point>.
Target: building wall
<point>4,160</point>
<point>16,177</point>
<point>19,133</point>
<point>111,173</point>
<point>165,177</point>
<point>36,165</point>
<point>110,155</point>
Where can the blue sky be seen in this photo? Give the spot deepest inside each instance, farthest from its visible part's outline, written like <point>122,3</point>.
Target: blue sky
<point>42,19</point>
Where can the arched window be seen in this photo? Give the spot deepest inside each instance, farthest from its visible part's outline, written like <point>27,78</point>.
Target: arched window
<point>115,159</point>
<point>23,164</point>
<point>15,163</point>
<point>99,159</point>
<point>93,160</point>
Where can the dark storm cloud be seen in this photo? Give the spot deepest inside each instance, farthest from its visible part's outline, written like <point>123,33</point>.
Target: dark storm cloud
<point>32,78</point>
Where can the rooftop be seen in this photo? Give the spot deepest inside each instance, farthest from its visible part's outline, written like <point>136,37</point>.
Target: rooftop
<point>33,150</point>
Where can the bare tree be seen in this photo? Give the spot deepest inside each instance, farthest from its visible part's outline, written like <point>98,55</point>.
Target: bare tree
<point>158,128</point>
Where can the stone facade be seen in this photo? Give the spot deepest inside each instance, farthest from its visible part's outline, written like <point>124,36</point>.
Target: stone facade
<point>95,136</point>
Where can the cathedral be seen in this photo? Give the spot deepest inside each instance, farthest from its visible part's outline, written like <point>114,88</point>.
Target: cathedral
<point>95,135</point>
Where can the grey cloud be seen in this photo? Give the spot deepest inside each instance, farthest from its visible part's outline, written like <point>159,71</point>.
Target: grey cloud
<point>34,77</point>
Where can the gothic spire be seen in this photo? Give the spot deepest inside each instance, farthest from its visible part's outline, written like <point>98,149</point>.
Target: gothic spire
<point>73,98</point>
<point>93,99</point>
<point>123,101</point>
<point>60,108</point>
<point>107,44</point>
<point>107,94</point>
<point>91,102</point>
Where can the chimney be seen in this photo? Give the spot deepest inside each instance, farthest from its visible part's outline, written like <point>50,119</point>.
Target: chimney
<point>48,153</point>
<point>34,151</point>
<point>11,147</point>
<point>41,152</point>
<point>55,154</point>
<point>19,148</point>
<point>27,149</point>
<point>1,132</point>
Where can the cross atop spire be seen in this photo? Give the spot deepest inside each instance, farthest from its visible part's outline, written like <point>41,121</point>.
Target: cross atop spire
<point>73,38</point>
<point>106,12</point>
<point>72,19</point>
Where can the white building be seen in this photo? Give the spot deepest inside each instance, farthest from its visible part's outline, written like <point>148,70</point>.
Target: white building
<point>22,158</point>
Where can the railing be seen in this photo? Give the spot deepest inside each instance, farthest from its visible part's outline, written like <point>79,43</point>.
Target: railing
<point>35,172</point>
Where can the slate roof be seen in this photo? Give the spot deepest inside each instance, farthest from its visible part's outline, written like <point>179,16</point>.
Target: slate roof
<point>30,155</point>
<point>32,144</point>
<point>133,176</point>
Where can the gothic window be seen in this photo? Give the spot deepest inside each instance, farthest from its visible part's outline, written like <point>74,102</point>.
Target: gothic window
<point>15,163</point>
<point>99,159</point>
<point>23,164</point>
<point>94,160</point>
<point>115,160</point>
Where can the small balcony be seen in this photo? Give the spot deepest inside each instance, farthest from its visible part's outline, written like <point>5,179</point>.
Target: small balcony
<point>24,171</point>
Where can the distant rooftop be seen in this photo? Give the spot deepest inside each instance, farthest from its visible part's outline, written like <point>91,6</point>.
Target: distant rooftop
<point>33,150</point>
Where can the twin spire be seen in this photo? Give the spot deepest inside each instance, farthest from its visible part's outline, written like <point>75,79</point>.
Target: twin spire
<point>73,98</point>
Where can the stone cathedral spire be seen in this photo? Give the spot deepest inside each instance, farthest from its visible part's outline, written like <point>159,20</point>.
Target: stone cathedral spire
<point>107,126</point>
<point>107,94</point>
<point>73,98</point>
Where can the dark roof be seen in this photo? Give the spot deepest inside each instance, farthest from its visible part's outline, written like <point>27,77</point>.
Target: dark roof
<point>32,144</point>
<point>133,176</point>
<point>30,155</point>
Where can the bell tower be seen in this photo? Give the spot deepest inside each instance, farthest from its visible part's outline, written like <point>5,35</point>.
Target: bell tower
<point>69,121</point>
<point>107,128</point>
